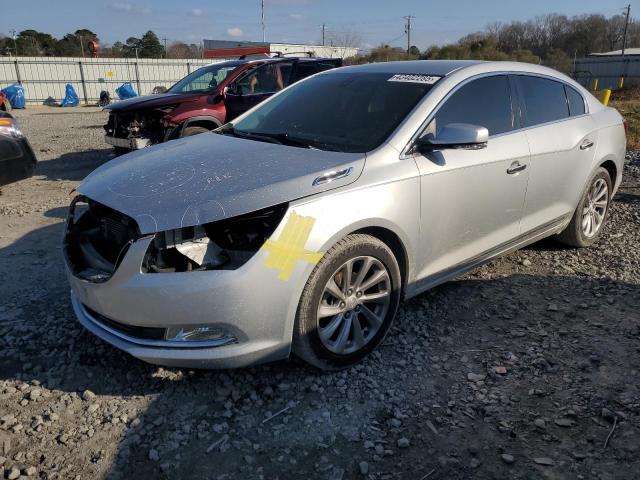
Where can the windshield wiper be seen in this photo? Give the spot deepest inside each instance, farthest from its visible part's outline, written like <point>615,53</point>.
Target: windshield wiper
<point>281,138</point>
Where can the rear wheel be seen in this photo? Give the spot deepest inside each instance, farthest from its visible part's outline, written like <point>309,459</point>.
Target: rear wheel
<point>590,216</point>
<point>189,131</point>
<point>348,304</point>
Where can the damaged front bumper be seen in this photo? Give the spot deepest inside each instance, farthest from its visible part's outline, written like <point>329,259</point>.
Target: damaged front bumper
<point>151,315</point>
<point>134,143</point>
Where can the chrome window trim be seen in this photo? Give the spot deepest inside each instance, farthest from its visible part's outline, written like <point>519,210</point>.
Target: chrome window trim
<point>404,153</point>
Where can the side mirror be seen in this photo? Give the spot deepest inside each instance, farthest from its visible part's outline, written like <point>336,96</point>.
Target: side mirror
<point>215,99</point>
<point>455,135</point>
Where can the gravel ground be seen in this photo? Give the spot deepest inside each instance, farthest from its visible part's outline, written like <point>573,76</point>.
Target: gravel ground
<point>526,368</point>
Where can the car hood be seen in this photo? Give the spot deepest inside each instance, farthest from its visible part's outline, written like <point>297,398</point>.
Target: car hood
<point>150,101</point>
<point>209,177</point>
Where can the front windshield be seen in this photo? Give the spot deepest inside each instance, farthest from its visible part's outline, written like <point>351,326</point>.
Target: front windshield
<point>203,79</point>
<point>349,112</point>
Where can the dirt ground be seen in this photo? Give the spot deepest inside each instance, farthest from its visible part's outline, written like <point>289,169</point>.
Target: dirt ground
<point>527,368</point>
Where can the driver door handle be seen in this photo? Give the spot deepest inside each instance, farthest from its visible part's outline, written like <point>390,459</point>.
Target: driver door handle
<point>516,167</point>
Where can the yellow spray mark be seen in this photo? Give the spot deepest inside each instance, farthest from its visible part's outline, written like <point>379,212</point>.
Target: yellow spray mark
<point>288,250</point>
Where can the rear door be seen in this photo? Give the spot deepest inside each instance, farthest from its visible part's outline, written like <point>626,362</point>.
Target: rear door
<point>255,86</point>
<point>562,139</point>
<point>472,199</point>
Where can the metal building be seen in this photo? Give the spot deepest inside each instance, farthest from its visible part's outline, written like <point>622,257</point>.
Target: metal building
<point>608,68</point>
<point>234,49</point>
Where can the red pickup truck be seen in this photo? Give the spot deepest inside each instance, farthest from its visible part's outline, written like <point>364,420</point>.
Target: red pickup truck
<point>204,100</point>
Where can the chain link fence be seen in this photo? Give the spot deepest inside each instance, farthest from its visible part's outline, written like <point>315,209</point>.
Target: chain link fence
<point>44,78</point>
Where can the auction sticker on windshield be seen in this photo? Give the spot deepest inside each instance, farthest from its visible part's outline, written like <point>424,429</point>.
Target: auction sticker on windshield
<point>412,78</point>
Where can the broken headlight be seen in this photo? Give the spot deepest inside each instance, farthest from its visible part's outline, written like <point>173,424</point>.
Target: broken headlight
<point>223,245</point>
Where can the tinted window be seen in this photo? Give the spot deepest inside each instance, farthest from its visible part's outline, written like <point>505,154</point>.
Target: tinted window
<point>203,79</point>
<point>267,78</point>
<point>544,100</point>
<point>485,102</point>
<point>351,112</point>
<point>576,102</point>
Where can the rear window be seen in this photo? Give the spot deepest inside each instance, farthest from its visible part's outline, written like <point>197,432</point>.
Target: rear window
<point>576,101</point>
<point>544,100</point>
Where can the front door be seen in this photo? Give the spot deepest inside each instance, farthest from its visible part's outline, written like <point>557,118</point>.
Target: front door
<point>255,86</point>
<point>472,200</point>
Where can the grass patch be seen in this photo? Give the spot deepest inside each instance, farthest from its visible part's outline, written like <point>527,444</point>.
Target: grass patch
<point>627,102</point>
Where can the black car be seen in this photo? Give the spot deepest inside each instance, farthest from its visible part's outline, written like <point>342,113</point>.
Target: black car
<point>17,160</point>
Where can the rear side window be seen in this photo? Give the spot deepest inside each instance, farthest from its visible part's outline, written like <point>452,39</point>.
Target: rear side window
<point>485,102</point>
<point>544,100</point>
<point>576,101</point>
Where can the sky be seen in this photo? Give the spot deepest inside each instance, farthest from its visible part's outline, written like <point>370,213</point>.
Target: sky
<point>288,21</point>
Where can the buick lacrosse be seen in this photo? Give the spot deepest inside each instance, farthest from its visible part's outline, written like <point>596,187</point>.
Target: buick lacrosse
<point>300,227</point>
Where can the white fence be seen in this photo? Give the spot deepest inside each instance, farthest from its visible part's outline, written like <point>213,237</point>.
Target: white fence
<point>44,78</point>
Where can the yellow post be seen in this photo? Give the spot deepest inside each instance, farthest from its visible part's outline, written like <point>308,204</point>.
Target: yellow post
<point>621,82</point>
<point>604,96</point>
<point>595,84</point>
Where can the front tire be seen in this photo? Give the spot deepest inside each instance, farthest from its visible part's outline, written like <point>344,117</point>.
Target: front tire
<point>591,214</point>
<point>348,303</point>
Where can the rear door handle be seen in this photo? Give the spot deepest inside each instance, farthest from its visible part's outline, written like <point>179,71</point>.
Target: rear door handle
<point>586,144</point>
<point>331,176</point>
<point>516,167</point>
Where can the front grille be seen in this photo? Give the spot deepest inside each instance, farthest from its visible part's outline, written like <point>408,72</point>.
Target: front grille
<point>96,239</point>
<point>143,333</point>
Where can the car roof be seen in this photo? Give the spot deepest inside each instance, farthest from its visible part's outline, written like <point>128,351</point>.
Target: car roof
<point>418,67</point>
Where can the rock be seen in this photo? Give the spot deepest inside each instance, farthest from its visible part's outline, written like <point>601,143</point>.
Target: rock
<point>526,262</point>
<point>154,456</point>
<point>369,444</point>
<point>14,472</point>
<point>476,377</point>
<point>546,461</point>
<point>88,396</point>
<point>403,442</point>
<point>30,471</point>
<point>552,307</point>
<point>540,423</point>
<point>500,370</point>
<point>364,468</point>
<point>564,422</point>
<point>475,462</point>
<point>35,393</point>
<point>508,459</point>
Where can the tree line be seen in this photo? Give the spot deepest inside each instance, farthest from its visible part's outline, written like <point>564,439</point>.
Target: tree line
<point>31,43</point>
<point>553,40</point>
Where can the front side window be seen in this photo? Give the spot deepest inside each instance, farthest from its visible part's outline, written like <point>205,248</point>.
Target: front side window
<point>576,101</point>
<point>350,112</point>
<point>267,78</point>
<point>485,102</point>
<point>544,100</point>
<point>202,80</point>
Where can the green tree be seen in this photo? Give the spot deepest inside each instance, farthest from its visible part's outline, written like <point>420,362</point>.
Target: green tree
<point>150,46</point>
<point>559,60</point>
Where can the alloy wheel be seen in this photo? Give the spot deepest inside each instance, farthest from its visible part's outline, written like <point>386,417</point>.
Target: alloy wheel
<point>595,208</point>
<point>353,305</point>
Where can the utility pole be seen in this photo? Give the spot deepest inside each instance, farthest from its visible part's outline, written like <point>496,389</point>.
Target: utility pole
<point>15,44</point>
<point>82,45</point>
<point>407,30</point>
<point>165,47</point>
<point>323,34</point>
<point>264,37</point>
<point>626,25</point>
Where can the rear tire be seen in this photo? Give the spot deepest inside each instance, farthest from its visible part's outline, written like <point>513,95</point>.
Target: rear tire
<point>591,214</point>
<point>190,131</point>
<point>121,150</point>
<point>343,316</point>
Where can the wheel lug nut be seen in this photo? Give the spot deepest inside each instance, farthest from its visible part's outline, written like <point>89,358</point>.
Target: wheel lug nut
<point>349,292</point>
<point>342,304</point>
<point>358,294</point>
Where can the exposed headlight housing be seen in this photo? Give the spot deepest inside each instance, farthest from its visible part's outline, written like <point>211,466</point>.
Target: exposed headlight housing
<point>223,245</point>
<point>9,126</point>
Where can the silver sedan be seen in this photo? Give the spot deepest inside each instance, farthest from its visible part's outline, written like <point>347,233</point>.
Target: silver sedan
<point>302,225</point>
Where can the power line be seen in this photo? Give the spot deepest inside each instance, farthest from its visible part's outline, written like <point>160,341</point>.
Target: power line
<point>626,25</point>
<point>407,30</point>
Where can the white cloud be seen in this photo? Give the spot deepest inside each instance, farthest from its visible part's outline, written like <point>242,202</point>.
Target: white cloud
<point>296,16</point>
<point>122,6</point>
<point>197,12</point>
<point>234,32</point>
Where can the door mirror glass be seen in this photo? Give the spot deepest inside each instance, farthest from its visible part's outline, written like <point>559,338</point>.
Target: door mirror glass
<point>455,135</point>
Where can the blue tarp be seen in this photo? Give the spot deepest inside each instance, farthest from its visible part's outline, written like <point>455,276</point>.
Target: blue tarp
<point>125,91</point>
<point>70,97</point>
<point>15,95</point>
